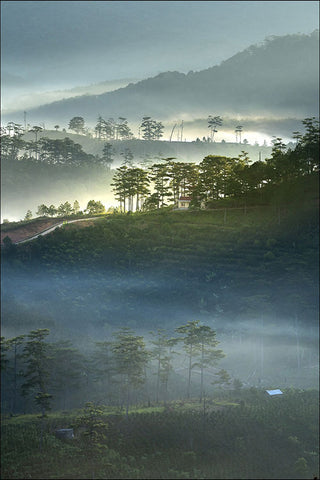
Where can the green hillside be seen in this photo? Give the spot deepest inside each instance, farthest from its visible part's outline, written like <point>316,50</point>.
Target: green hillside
<point>212,262</point>
<point>242,260</point>
<point>244,270</point>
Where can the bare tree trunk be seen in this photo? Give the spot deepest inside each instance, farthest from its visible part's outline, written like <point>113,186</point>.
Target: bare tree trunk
<point>261,351</point>
<point>201,387</point>
<point>158,380</point>
<point>189,376</point>
<point>15,381</point>
<point>128,400</point>
<point>298,344</point>
<point>41,429</point>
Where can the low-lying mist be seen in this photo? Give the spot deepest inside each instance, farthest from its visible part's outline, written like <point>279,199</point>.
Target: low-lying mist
<point>261,349</point>
<point>51,185</point>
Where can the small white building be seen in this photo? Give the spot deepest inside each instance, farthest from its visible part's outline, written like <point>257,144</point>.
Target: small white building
<point>274,392</point>
<point>184,202</point>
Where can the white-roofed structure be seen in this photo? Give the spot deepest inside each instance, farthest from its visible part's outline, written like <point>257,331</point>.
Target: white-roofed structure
<point>274,392</point>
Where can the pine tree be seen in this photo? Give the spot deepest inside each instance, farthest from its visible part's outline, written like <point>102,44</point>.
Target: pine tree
<point>35,353</point>
<point>28,215</point>
<point>107,154</point>
<point>77,124</point>
<point>37,372</point>
<point>76,207</point>
<point>199,342</point>
<point>130,359</point>
<point>162,353</point>
<point>14,344</point>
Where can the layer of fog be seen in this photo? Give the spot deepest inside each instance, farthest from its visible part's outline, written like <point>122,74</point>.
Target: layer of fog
<point>34,95</point>
<point>22,191</point>
<point>261,349</point>
<point>244,84</point>
<point>15,208</point>
<point>186,127</point>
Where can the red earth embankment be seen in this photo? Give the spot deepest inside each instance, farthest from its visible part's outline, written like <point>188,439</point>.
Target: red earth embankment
<point>20,233</point>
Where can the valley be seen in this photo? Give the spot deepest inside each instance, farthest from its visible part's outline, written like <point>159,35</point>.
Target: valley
<point>160,240</point>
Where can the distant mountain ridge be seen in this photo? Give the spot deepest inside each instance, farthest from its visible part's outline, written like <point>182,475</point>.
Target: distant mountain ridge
<point>31,100</point>
<point>279,77</point>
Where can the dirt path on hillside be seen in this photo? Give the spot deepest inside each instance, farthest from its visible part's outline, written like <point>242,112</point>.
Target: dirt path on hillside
<point>20,233</point>
<point>43,227</point>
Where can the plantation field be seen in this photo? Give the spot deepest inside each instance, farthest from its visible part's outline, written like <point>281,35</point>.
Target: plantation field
<point>243,435</point>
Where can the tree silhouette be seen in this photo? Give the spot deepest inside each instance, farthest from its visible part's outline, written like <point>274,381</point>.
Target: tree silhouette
<point>238,132</point>
<point>213,123</point>
<point>130,358</point>
<point>77,124</point>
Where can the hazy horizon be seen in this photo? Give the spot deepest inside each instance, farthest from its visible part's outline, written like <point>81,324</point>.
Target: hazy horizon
<point>43,58</point>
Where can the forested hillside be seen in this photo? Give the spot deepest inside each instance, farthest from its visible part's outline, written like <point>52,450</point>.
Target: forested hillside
<point>254,81</point>
<point>233,283</point>
<point>257,235</point>
<point>49,170</point>
<point>159,240</point>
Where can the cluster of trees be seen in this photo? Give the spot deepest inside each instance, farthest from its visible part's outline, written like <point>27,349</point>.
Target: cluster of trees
<point>152,130</point>
<point>34,368</point>
<point>77,125</point>
<point>65,151</point>
<point>112,130</point>
<point>216,177</point>
<point>104,129</point>
<point>60,152</point>
<point>46,150</point>
<point>119,130</point>
<point>49,151</point>
<point>65,209</point>
<point>128,183</point>
<point>213,123</point>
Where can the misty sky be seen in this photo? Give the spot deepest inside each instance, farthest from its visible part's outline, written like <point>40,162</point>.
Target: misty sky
<point>54,45</point>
